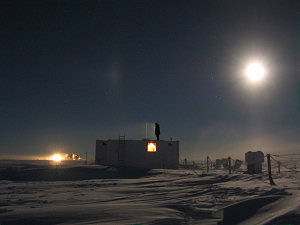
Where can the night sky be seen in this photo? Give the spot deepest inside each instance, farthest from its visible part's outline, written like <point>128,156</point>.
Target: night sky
<point>76,71</point>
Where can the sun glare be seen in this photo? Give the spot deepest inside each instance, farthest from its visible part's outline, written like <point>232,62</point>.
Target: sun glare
<point>255,71</point>
<point>56,158</point>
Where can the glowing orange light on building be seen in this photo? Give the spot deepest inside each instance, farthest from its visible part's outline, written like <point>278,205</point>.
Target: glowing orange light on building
<point>151,147</point>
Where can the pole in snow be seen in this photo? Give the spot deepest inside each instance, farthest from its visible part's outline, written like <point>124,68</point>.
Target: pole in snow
<point>86,158</point>
<point>207,164</point>
<point>269,170</point>
<point>229,164</point>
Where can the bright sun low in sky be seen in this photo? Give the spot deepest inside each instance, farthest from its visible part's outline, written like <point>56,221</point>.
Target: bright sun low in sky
<point>255,71</point>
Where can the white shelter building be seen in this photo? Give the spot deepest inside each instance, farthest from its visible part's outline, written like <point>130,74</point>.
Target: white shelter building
<point>149,154</point>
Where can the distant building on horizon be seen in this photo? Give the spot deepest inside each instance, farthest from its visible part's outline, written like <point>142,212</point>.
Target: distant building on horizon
<point>254,161</point>
<point>147,154</point>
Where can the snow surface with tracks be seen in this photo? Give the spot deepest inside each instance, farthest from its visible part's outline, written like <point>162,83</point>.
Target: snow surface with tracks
<point>45,194</point>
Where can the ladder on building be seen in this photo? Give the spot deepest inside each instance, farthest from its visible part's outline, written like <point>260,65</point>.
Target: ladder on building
<point>121,139</point>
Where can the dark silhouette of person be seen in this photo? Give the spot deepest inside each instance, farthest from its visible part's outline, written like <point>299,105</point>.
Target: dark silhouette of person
<point>157,131</point>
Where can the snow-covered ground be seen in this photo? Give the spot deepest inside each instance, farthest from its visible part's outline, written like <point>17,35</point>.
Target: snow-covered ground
<point>40,193</point>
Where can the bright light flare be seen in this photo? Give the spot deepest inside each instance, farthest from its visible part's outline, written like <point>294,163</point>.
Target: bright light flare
<point>56,158</point>
<point>151,147</point>
<point>255,71</point>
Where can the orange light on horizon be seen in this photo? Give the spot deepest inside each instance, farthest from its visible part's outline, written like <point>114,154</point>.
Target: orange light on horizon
<point>151,147</point>
<point>56,158</point>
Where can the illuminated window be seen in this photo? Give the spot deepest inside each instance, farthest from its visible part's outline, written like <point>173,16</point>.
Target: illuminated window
<point>151,147</point>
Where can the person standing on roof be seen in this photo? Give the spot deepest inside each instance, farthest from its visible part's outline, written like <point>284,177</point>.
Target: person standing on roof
<point>157,131</point>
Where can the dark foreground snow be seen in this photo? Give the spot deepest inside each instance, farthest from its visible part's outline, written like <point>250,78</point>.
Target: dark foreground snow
<point>34,193</point>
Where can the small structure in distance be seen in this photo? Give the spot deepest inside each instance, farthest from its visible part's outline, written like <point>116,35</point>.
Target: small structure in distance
<point>72,156</point>
<point>254,161</point>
